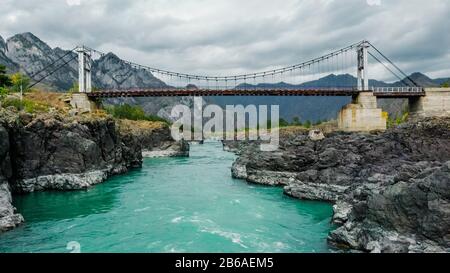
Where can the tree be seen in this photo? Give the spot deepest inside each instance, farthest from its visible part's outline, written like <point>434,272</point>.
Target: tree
<point>282,123</point>
<point>3,92</point>
<point>446,84</point>
<point>307,124</point>
<point>129,112</point>
<point>5,81</point>
<point>19,80</point>
<point>296,121</point>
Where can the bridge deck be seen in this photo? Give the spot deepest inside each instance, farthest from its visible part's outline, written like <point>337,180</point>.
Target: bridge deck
<point>398,94</point>
<point>243,92</point>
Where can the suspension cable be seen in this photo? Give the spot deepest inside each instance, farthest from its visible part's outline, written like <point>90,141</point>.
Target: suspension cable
<point>406,76</point>
<point>51,64</point>
<point>390,70</point>
<point>51,73</point>
<point>242,76</point>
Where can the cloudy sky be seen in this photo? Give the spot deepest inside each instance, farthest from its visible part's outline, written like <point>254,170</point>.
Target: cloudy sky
<point>219,37</point>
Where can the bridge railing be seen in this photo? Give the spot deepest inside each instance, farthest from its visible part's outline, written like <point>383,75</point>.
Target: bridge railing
<point>231,88</point>
<point>402,89</point>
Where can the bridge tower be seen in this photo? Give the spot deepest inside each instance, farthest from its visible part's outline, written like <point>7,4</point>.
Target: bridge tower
<point>363,64</point>
<point>80,101</point>
<point>363,113</point>
<point>84,70</point>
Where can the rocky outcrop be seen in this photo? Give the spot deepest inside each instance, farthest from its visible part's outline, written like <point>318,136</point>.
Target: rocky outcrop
<point>390,189</point>
<point>52,152</point>
<point>2,45</point>
<point>153,141</point>
<point>4,60</point>
<point>411,214</point>
<point>56,152</point>
<point>8,217</point>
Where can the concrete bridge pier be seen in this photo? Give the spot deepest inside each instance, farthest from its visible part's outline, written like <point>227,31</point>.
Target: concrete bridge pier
<point>81,102</point>
<point>435,103</point>
<point>362,115</point>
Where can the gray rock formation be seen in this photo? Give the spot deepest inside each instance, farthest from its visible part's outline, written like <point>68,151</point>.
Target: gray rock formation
<point>8,217</point>
<point>51,152</point>
<point>409,215</point>
<point>54,152</point>
<point>2,45</point>
<point>391,190</point>
<point>32,55</point>
<point>4,60</point>
<point>110,72</point>
<point>156,142</point>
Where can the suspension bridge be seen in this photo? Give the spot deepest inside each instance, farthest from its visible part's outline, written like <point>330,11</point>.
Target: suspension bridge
<point>293,80</point>
<point>300,79</point>
<point>315,77</point>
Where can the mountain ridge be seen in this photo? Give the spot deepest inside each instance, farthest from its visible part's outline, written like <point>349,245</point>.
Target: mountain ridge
<point>30,54</point>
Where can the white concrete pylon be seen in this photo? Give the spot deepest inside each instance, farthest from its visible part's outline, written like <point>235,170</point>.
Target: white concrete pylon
<point>363,66</point>
<point>84,70</point>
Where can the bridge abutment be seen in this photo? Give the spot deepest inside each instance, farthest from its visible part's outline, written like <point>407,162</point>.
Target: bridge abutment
<point>81,101</point>
<point>362,115</point>
<point>435,103</point>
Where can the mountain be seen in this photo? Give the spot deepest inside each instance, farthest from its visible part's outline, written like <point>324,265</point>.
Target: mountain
<point>27,53</point>
<point>442,81</point>
<point>32,55</point>
<point>420,79</point>
<point>111,72</point>
<point>4,60</point>
<point>347,80</point>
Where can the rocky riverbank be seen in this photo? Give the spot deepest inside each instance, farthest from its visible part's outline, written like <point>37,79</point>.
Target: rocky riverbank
<point>57,152</point>
<point>391,190</point>
<point>155,142</point>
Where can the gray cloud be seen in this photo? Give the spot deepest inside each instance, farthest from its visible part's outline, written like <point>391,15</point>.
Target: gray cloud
<point>234,36</point>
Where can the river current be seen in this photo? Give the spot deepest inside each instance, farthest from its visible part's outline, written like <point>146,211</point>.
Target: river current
<point>171,205</point>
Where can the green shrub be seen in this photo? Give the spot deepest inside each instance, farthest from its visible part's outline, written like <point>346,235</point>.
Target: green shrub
<point>19,81</point>
<point>3,92</point>
<point>296,121</point>
<point>399,120</point>
<point>307,124</point>
<point>127,111</point>
<point>28,106</point>
<point>283,123</point>
<point>16,103</point>
<point>5,80</point>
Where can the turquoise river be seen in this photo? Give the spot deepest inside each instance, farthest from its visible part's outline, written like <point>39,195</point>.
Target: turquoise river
<point>171,205</point>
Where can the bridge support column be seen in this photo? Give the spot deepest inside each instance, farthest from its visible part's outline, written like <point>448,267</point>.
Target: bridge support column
<point>84,70</point>
<point>363,67</point>
<point>82,103</point>
<point>435,103</point>
<point>362,115</point>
